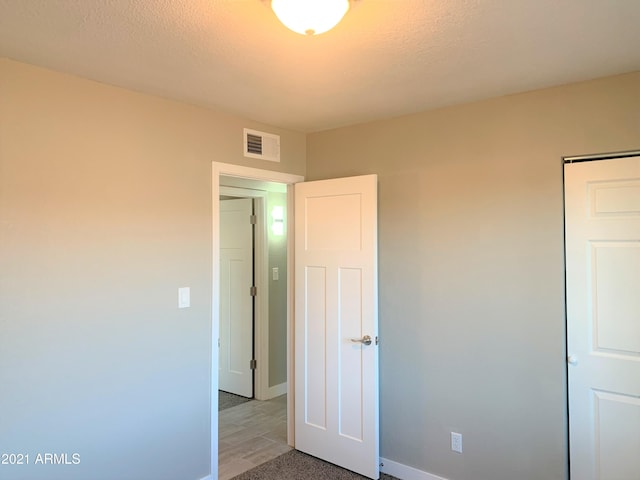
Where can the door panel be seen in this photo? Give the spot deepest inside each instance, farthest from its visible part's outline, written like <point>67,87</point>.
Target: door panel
<point>602,210</point>
<point>315,407</point>
<point>615,290</point>
<point>350,367</point>
<point>236,302</point>
<point>617,439</point>
<point>336,303</point>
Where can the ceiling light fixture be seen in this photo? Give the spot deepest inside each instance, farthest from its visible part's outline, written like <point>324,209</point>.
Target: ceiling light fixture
<point>310,17</point>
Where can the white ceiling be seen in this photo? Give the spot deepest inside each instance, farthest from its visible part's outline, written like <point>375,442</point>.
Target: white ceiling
<point>386,58</point>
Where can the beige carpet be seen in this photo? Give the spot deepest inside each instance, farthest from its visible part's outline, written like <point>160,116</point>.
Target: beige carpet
<point>295,465</point>
<point>228,400</point>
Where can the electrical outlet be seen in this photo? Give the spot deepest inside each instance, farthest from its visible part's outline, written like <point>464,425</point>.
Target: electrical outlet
<point>456,442</point>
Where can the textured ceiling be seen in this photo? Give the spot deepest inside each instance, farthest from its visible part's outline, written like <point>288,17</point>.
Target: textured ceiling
<point>386,58</point>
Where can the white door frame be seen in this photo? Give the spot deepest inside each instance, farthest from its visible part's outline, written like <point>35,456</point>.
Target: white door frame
<point>225,169</point>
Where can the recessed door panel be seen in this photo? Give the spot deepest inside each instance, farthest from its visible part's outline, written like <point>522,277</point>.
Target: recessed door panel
<point>350,353</point>
<point>315,346</point>
<point>332,222</point>
<point>616,296</point>
<point>617,435</point>
<point>621,197</point>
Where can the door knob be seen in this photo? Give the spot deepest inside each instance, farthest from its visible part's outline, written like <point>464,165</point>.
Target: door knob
<point>366,340</point>
<point>572,359</point>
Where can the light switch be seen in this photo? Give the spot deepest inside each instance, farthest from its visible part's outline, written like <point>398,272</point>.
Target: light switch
<point>184,297</point>
<point>276,274</point>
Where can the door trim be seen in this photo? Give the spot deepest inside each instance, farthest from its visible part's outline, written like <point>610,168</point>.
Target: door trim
<point>601,156</point>
<point>224,169</point>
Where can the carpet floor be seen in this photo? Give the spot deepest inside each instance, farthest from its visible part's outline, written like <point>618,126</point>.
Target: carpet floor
<point>295,465</point>
<point>228,400</point>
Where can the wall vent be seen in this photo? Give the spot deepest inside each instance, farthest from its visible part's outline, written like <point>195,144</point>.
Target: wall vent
<point>264,146</point>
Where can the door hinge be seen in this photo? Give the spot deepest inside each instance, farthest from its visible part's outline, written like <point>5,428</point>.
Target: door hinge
<point>253,364</point>
<point>253,219</point>
<point>253,291</point>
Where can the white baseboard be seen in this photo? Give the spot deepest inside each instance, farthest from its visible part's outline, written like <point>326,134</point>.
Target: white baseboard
<point>404,472</point>
<point>208,477</point>
<point>277,390</point>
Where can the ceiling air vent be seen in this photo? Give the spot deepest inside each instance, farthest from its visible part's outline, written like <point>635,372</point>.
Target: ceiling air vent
<point>264,146</point>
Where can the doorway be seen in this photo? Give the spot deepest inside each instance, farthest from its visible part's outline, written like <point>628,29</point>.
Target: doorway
<point>234,176</point>
<point>337,220</point>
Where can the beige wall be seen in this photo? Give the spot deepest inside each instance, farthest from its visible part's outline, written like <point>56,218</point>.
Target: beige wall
<point>471,281</point>
<point>277,296</point>
<point>105,210</point>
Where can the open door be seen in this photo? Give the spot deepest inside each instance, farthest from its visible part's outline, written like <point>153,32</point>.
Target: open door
<point>336,325</point>
<point>236,300</point>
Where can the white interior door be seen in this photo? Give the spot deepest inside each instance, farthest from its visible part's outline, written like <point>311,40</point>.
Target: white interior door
<point>236,301</point>
<point>336,371</point>
<point>602,207</point>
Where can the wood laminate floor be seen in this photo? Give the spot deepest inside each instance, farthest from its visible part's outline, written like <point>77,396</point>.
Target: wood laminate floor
<point>251,434</point>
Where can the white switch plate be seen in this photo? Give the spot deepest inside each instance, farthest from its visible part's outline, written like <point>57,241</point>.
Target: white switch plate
<point>184,297</point>
<point>456,442</point>
<point>275,273</point>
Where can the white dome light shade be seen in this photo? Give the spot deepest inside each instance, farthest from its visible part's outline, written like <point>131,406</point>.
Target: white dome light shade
<point>310,17</point>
